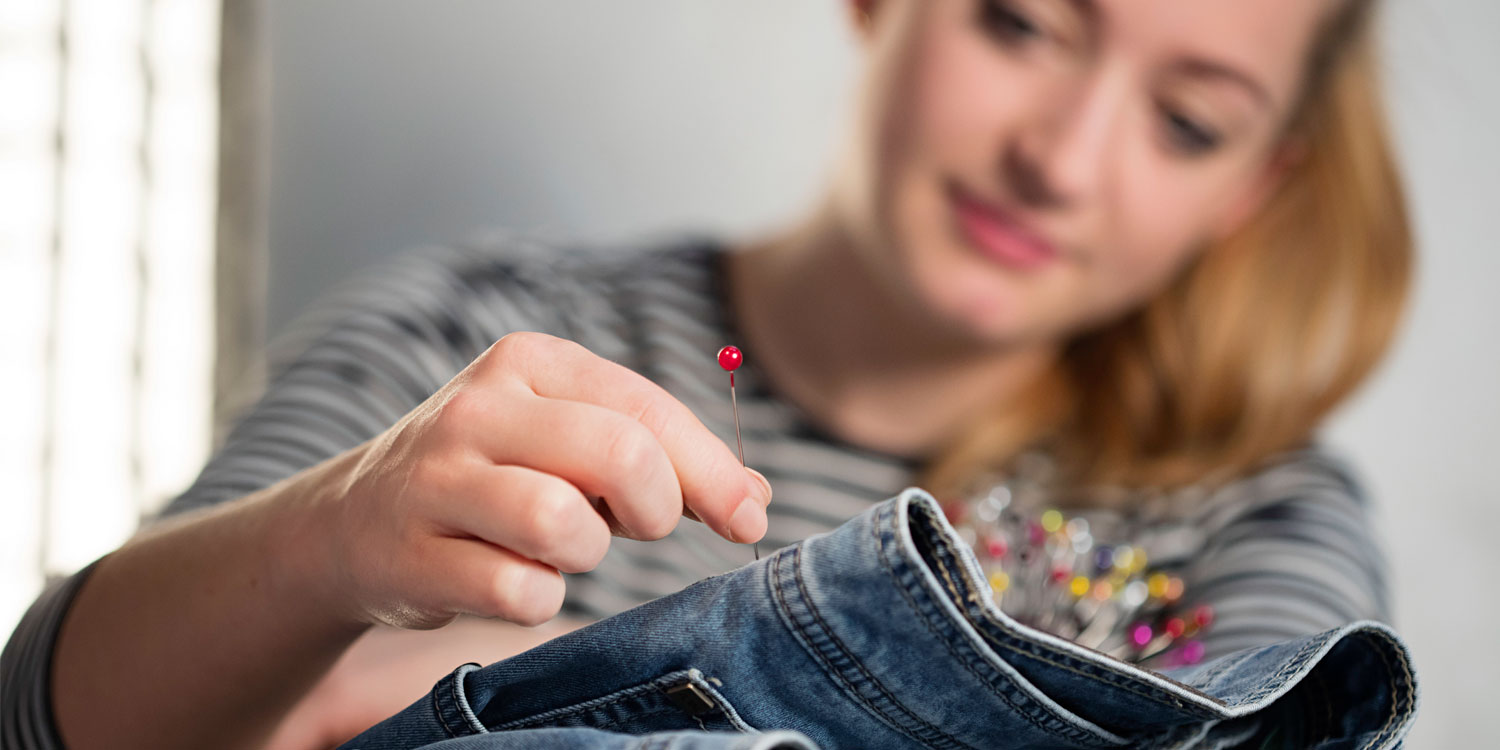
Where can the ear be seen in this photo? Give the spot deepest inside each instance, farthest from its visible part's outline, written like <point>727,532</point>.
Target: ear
<point>1286,155</point>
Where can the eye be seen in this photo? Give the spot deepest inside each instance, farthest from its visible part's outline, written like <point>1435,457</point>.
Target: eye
<point>1006,23</point>
<point>1187,136</point>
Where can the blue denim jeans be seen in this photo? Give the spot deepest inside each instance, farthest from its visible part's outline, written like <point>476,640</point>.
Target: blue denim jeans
<point>883,634</point>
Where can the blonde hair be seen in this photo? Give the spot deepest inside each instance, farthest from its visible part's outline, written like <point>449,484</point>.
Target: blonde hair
<point>1257,339</point>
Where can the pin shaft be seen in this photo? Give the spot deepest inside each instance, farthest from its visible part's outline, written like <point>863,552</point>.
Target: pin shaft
<point>740,444</point>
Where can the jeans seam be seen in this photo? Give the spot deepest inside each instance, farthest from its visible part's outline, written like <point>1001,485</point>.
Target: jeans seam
<point>1275,682</point>
<point>647,687</point>
<point>1224,665</point>
<point>1085,669</point>
<point>1068,729</point>
<point>838,674</point>
<point>454,684</point>
<point>1392,723</point>
<point>611,723</point>
<point>1110,679</point>
<point>437,709</point>
<point>870,677</point>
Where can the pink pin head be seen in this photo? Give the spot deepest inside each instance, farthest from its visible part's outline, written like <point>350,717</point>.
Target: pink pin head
<point>730,358</point>
<point>1193,652</point>
<point>1141,635</point>
<point>1035,533</point>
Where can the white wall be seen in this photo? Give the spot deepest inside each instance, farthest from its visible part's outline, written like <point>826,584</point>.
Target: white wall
<point>399,123</point>
<point>1427,429</point>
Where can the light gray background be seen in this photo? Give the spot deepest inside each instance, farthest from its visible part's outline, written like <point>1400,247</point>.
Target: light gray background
<point>396,124</point>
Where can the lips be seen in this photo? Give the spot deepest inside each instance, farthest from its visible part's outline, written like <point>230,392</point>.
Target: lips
<point>997,235</point>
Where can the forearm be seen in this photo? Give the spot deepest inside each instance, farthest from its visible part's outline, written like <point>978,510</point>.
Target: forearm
<point>388,668</point>
<point>206,631</point>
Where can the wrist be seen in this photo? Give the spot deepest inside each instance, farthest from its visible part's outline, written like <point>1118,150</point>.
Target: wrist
<point>305,545</point>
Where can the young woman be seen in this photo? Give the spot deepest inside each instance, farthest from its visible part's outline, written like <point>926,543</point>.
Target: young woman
<point>1152,241</point>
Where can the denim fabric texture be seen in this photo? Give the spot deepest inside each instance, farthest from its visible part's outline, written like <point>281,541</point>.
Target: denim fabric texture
<point>883,634</point>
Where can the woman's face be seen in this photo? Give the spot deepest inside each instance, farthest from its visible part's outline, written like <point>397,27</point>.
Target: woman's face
<point>1032,167</point>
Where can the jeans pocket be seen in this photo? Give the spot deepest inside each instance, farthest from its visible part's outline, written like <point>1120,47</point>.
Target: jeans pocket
<point>682,699</point>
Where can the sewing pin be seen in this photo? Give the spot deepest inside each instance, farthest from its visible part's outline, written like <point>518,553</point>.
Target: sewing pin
<point>730,359</point>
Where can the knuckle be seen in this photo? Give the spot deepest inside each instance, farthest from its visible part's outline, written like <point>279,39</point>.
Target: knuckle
<point>593,545</point>
<point>629,452</point>
<point>548,523</point>
<point>632,454</point>
<point>657,521</point>
<point>525,595</point>
<point>658,528</point>
<point>649,403</point>
<point>505,353</point>
<point>645,405</point>
<point>585,547</point>
<point>492,600</point>
<point>550,600</point>
<point>505,589</point>
<point>514,343</point>
<point>429,474</point>
<point>522,346</point>
<point>461,409</point>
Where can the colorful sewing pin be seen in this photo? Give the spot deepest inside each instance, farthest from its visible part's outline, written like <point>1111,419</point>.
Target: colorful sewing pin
<point>1053,574</point>
<point>730,359</point>
<point>1141,635</point>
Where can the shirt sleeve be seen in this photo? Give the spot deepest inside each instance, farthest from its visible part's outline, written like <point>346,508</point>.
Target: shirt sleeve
<point>1296,556</point>
<point>368,352</point>
<point>372,351</point>
<point>25,670</point>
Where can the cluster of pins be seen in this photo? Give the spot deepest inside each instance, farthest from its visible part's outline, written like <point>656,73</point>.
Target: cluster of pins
<point>1051,574</point>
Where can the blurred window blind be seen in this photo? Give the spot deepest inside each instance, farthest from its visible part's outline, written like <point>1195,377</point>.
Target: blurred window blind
<point>108,149</point>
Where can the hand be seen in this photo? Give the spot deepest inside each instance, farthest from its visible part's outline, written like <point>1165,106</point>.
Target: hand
<point>518,469</point>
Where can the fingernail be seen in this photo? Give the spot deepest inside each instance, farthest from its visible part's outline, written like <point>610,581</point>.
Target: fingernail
<point>765,484</point>
<point>748,522</point>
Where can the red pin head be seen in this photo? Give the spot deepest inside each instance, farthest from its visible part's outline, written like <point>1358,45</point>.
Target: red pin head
<point>730,358</point>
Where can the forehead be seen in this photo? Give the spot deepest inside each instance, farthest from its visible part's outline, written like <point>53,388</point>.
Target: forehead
<point>1267,39</point>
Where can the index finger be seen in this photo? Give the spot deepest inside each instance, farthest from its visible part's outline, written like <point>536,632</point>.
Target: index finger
<point>714,484</point>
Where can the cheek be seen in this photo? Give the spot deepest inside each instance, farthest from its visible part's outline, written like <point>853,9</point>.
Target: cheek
<point>948,95</point>
<point>955,119</point>
<point>1156,236</point>
<point>962,99</point>
<point>935,116</point>
<point>1159,226</point>
<point>945,117</point>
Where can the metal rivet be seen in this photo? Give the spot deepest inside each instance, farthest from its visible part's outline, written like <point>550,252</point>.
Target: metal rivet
<point>690,698</point>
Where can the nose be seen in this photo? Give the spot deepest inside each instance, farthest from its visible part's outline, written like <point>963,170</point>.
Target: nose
<point>1059,156</point>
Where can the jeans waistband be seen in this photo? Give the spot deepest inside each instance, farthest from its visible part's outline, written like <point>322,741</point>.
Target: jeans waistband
<point>933,615</point>
<point>884,633</point>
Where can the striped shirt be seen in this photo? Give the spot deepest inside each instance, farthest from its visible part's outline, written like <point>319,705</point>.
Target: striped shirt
<point>1280,553</point>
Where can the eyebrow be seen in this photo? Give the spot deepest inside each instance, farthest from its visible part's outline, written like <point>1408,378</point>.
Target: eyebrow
<point>1193,66</point>
<point>1204,68</point>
